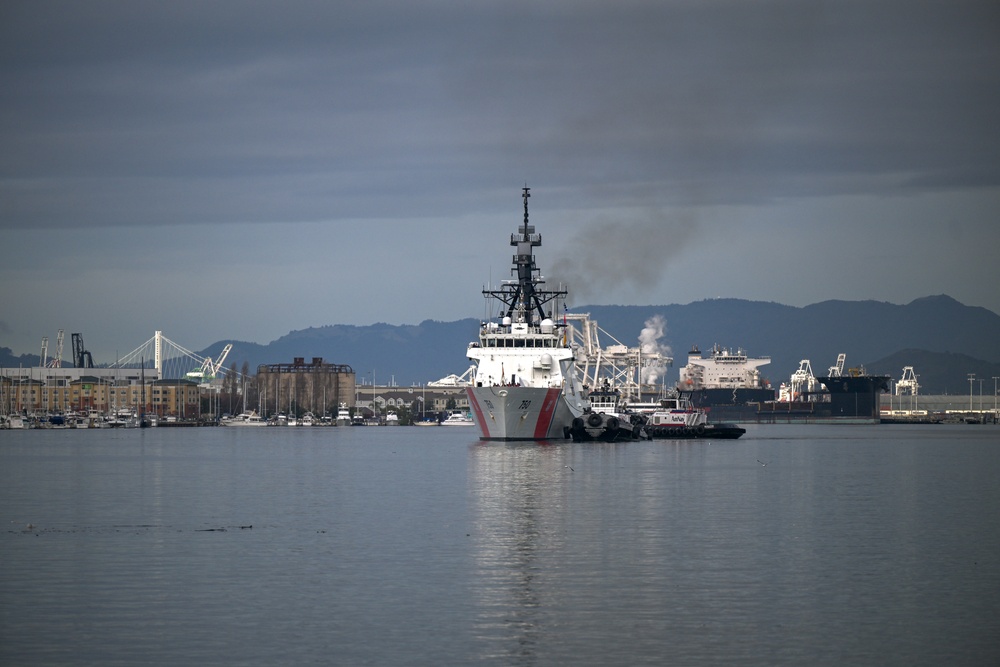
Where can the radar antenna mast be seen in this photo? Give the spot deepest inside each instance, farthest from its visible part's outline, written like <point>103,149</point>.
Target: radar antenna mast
<point>523,300</point>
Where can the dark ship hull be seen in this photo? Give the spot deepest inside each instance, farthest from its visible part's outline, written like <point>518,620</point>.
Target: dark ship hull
<point>855,396</point>
<point>705,431</point>
<point>729,405</point>
<point>708,398</point>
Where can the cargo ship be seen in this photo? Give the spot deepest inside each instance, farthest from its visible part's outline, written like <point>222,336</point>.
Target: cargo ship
<point>840,396</point>
<point>727,383</point>
<point>724,377</point>
<point>525,384</point>
<point>855,395</point>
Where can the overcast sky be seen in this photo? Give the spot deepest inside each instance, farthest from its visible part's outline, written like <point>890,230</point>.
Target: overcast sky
<point>236,170</point>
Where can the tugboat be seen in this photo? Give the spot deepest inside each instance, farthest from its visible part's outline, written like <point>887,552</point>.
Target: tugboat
<point>611,420</point>
<point>525,385</point>
<point>677,418</point>
<point>608,420</point>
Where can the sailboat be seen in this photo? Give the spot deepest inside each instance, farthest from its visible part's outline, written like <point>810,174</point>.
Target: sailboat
<point>424,421</point>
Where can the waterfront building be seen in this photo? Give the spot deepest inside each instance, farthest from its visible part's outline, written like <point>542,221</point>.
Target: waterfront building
<point>300,387</point>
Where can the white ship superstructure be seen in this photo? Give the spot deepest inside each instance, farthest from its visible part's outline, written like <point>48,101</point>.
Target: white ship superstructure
<point>721,369</point>
<point>525,385</point>
<point>723,377</point>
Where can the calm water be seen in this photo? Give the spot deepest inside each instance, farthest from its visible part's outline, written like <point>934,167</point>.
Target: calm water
<point>861,545</point>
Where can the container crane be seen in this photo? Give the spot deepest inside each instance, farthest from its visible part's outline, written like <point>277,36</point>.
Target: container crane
<point>837,370</point>
<point>209,369</point>
<point>907,386</point>
<point>56,361</point>
<point>463,380</point>
<point>81,357</point>
<point>802,380</point>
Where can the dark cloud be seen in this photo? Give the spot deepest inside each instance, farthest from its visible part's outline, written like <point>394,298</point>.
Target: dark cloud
<point>623,254</point>
<point>127,113</point>
<point>322,140</point>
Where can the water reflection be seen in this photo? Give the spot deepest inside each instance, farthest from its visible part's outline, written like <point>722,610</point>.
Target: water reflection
<point>518,489</point>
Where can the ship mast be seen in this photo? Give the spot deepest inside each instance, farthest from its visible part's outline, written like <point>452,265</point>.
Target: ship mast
<point>522,297</point>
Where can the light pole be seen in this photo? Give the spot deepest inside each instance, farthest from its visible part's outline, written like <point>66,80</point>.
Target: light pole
<point>995,393</point>
<point>972,378</point>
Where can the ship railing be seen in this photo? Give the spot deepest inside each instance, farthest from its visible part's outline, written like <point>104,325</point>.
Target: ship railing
<point>533,239</point>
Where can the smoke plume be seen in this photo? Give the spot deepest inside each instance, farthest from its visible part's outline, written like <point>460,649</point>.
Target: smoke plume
<point>649,343</point>
<point>609,259</point>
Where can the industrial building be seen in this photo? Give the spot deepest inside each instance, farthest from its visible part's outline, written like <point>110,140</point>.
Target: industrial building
<point>300,387</point>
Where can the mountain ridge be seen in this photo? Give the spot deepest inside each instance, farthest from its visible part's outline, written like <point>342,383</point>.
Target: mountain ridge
<point>943,339</point>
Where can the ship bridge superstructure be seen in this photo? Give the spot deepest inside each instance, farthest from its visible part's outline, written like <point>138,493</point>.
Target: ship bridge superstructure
<point>523,344</point>
<point>722,368</point>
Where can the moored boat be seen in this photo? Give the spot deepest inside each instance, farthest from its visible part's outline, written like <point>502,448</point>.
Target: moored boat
<point>250,418</point>
<point>14,421</point>
<point>525,385</point>
<point>459,418</point>
<point>343,415</point>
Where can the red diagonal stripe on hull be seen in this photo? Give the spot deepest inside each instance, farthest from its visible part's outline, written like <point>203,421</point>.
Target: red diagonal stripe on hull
<point>484,427</point>
<point>548,412</point>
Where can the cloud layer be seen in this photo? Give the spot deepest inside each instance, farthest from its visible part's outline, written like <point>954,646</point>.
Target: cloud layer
<point>647,129</point>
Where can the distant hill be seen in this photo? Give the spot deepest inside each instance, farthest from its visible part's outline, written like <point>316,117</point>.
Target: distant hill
<point>941,338</point>
<point>941,372</point>
<point>9,360</point>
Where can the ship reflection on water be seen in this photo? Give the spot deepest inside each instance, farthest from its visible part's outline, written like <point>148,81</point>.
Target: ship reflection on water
<point>516,490</point>
<point>549,554</point>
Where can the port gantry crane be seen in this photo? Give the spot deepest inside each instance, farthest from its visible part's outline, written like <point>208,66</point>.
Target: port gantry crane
<point>631,370</point>
<point>81,356</point>
<point>802,383</point>
<point>209,369</point>
<point>55,361</point>
<point>907,385</point>
<point>837,370</point>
